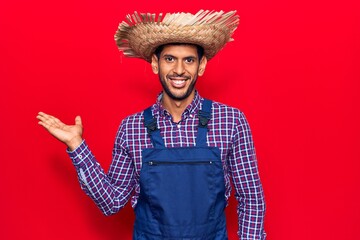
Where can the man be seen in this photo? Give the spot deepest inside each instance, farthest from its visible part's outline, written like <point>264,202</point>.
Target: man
<point>175,160</point>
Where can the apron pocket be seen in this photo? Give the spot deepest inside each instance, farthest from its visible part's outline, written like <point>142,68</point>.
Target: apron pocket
<point>181,192</point>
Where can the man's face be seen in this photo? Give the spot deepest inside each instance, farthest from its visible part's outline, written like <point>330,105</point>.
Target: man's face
<point>178,67</point>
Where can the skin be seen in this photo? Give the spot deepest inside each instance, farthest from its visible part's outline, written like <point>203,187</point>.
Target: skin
<point>178,68</point>
<point>178,63</point>
<point>71,135</point>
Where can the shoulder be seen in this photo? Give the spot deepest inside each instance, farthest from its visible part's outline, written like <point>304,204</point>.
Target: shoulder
<point>133,121</point>
<point>130,126</point>
<point>224,111</point>
<point>233,117</point>
<point>136,119</point>
<point>226,116</point>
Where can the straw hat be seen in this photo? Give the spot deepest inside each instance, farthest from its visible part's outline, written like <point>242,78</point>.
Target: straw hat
<point>143,33</point>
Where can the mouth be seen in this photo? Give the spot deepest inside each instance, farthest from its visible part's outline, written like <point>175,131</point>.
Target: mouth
<point>178,82</point>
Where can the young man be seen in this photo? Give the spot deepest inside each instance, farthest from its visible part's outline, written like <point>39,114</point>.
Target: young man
<point>176,159</point>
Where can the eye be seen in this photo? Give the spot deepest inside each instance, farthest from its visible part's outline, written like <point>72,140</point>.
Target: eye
<point>189,60</point>
<point>169,59</point>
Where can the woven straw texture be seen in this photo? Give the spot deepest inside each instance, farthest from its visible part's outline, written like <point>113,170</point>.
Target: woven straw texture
<point>141,34</point>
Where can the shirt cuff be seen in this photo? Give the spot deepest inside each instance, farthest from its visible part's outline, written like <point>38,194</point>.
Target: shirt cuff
<point>81,155</point>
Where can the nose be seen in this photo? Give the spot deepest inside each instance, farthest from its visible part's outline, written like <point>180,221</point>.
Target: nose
<point>179,68</point>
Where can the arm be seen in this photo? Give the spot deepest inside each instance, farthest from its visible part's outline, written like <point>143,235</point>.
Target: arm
<point>248,188</point>
<point>109,191</point>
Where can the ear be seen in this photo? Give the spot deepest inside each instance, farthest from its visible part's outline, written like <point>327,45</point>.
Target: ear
<point>202,66</point>
<point>154,64</point>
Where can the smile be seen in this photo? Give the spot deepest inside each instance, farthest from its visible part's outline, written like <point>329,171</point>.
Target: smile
<point>178,82</point>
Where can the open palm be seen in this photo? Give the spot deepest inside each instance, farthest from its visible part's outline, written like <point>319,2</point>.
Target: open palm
<point>71,135</point>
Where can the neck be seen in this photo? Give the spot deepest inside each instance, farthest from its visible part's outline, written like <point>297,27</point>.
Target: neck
<point>176,107</point>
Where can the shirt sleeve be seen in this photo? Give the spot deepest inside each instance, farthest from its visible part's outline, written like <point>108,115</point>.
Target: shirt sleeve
<point>247,184</point>
<point>110,191</point>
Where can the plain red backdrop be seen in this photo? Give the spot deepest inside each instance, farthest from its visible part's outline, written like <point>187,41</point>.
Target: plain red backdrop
<point>293,69</point>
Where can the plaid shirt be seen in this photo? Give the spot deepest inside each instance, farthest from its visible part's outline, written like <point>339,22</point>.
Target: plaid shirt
<point>228,130</point>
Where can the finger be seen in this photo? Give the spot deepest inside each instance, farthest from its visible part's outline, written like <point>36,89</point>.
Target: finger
<point>40,115</point>
<point>78,121</point>
<point>55,121</point>
<point>47,116</point>
<point>42,124</point>
<point>51,129</point>
<point>41,118</point>
<point>44,115</point>
<point>45,125</point>
<point>46,119</point>
<point>49,119</point>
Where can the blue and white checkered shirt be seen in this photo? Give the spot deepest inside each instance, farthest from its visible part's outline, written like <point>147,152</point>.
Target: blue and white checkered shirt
<point>228,130</point>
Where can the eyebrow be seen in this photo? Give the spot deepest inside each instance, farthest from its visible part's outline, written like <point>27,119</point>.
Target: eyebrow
<point>169,55</point>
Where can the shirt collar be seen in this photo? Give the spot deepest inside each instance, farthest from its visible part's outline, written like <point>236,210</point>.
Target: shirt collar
<point>190,111</point>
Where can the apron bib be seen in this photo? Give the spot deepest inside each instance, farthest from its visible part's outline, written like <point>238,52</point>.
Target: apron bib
<point>182,190</point>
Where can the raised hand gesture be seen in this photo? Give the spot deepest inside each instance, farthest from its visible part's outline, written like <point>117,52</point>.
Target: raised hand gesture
<point>71,135</point>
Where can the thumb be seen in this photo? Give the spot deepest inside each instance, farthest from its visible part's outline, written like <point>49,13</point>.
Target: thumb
<point>78,121</point>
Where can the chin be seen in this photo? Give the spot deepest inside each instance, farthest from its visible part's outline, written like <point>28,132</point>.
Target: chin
<point>180,97</point>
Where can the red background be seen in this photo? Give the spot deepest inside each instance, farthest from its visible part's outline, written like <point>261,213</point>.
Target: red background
<point>293,69</point>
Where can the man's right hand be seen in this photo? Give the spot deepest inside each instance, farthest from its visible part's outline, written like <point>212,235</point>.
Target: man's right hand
<point>71,135</point>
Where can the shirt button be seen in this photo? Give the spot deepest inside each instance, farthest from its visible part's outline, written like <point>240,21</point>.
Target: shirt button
<point>191,115</point>
<point>178,126</point>
<point>80,156</point>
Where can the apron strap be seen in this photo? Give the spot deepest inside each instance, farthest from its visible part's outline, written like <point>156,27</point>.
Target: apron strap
<point>204,116</point>
<point>151,125</point>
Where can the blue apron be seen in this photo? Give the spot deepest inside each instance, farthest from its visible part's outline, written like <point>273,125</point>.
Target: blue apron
<point>182,190</point>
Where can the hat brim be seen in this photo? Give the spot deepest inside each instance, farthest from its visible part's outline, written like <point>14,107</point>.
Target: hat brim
<point>141,40</point>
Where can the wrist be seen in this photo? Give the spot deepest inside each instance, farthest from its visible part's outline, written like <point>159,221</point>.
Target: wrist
<point>74,143</point>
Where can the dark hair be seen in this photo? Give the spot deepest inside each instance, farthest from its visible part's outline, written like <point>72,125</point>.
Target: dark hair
<point>199,49</point>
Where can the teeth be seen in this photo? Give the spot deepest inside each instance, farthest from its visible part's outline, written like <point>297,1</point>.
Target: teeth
<point>179,81</point>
